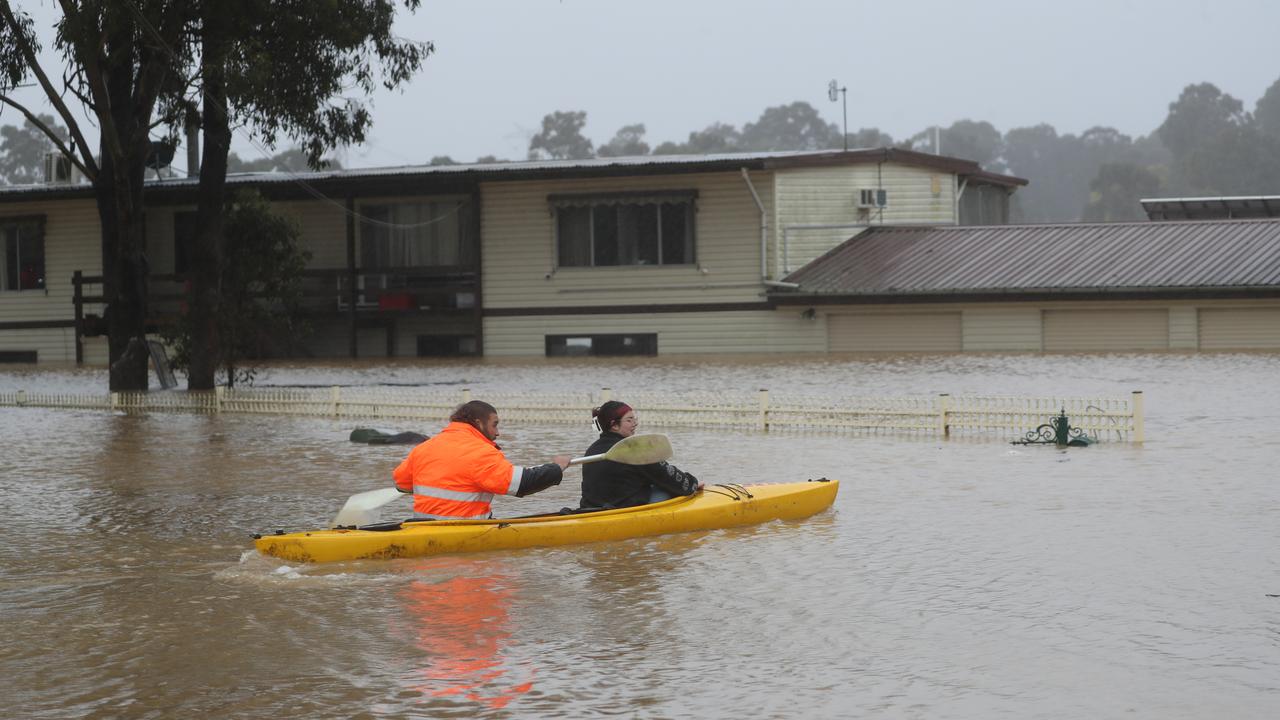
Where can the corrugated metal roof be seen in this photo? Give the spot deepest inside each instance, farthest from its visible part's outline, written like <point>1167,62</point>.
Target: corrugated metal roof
<point>641,164</point>
<point>1076,258</point>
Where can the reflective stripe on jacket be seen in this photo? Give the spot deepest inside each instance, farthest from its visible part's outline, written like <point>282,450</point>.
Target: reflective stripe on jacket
<point>455,474</point>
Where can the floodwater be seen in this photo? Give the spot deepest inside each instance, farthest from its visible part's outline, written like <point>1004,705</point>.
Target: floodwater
<point>952,579</point>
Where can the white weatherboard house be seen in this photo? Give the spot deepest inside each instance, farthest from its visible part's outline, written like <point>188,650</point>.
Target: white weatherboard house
<point>644,255</point>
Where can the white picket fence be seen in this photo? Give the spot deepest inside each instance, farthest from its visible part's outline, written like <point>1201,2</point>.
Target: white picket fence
<point>1106,419</point>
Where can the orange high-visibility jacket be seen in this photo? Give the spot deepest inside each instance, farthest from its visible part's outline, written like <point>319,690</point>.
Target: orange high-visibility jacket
<point>455,474</point>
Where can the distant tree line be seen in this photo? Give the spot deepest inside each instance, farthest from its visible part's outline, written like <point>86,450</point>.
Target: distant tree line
<point>1208,145</point>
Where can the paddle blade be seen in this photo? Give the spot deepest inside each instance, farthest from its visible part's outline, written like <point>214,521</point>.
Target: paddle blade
<point>360,507</point>
<point>640,450</point>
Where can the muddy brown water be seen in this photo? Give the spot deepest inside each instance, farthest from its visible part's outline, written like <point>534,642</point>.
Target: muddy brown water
<point>963,579</point>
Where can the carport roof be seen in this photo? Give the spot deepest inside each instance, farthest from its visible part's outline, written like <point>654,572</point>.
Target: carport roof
<point>1224,258</point>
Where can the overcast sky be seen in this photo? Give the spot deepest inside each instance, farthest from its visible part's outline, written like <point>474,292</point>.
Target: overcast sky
<point>501,65</point>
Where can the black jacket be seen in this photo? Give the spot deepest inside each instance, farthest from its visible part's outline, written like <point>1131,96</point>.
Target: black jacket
<point>607,484</point>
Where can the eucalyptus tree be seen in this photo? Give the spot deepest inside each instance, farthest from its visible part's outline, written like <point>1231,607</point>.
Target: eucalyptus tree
<point>561,137</point>
<point>117,61</point>
<point>268,67</point>
<point>797,126</point>
<point>271,69</point>
<point>628,141</point>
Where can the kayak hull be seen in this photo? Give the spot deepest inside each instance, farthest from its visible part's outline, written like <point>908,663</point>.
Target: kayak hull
<point>717,506</point>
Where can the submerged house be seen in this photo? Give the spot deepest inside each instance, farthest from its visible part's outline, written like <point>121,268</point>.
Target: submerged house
<point>880,250</point>
<point>1169,285</point>
<point>641,255</point>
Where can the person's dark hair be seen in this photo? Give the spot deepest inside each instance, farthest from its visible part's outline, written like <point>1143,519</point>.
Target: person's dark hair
<point>472,412</point>
<point>608,414</point>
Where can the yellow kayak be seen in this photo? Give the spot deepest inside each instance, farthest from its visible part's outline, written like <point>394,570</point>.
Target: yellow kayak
<point>716,506</point>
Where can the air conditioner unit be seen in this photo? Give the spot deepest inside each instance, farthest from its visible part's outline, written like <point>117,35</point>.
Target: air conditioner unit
<point>57,168</point>
<point>869,198</point>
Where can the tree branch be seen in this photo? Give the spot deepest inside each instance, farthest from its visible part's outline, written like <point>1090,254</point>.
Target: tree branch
<point>62,148</point>
<point>89,167</point>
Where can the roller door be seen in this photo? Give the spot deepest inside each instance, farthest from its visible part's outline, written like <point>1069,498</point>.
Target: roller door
<point>1240,329</point>
<point>1089,330</point>
<point>894,332</point>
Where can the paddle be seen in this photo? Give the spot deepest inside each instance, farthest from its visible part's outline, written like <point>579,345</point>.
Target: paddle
<point>635,450</point>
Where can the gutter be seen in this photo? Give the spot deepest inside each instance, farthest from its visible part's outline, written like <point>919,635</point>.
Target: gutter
<point>764,238</point>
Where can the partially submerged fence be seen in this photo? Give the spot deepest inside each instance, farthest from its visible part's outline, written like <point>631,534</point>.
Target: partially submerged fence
<point>1107,419</point>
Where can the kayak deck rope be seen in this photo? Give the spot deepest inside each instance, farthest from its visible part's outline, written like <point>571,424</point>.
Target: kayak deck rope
<point>734,491</point>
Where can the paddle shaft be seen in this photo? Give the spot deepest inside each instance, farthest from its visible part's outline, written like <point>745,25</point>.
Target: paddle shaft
<point>635,450</point>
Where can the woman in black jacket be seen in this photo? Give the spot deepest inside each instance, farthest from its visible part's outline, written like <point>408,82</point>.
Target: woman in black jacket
<point>607,484</point>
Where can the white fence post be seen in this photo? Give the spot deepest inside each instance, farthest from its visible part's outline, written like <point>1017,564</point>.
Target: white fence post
<point>764,410</point>
<point>22,398</point>
<point>606,394</point>
<point>335,398</point>
<point>944,407</point>
<point>1139,422</point>
<point>115,400</point>
<point>466,395</point>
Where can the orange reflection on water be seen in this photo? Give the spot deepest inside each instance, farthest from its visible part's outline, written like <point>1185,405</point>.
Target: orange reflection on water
<point>462,627</point>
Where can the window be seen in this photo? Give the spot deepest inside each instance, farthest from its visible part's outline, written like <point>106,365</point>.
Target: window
<point>624,229</point>
<point>23,244</point>
<point>446,345</point>
<point>585,345</point>
<point>184,237</point>
<point>421,234</point>
<point>19,356</point>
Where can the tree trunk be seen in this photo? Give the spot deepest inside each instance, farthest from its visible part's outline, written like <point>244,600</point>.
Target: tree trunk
<point>206,294</point>
<point>119,195</point>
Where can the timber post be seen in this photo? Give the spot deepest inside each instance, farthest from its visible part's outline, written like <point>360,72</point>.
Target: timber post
<point>944,408</point>
<point>77,299</point>
<point>1139,422</point>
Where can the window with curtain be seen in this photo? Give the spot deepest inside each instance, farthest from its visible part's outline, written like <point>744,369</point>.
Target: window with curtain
<point>23,244</point>
<point>625,229</point>
<point>415,234</point>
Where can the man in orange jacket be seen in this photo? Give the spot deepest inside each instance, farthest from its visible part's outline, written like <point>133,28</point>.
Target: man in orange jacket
<point>454,475</point>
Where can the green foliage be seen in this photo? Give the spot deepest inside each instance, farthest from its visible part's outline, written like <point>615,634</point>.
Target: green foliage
<point>1267,112</point>
<point>715,138</point>
<point>299,68</point>
<point>1237,161</point>
<point>628,141</point>
<point>22,150</point>
<point>1116,191</point>
<point>976,141</point>
<point>561,137</point>
<point>1062,168</point>
<point>260,292</point>
<point>797,126</point>
<point>1201,112</point>
<point>869,139</point>
<point>291,160</point>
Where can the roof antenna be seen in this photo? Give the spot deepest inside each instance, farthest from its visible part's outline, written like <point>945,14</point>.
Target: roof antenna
<point>832,88</point>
